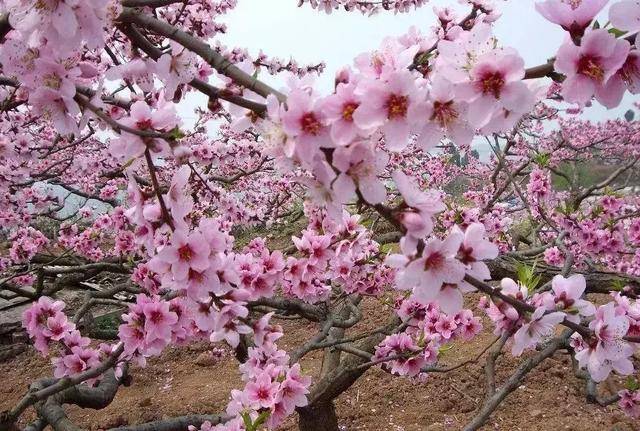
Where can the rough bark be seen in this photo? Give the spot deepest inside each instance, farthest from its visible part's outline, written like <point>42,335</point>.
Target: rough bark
<point>597,281</point>
<point>318,417</point>
<point>320,414</point>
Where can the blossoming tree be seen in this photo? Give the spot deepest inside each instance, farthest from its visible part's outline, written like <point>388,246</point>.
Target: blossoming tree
<point>399,212</point>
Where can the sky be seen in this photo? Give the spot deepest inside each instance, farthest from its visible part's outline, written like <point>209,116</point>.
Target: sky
<point>281,29</point>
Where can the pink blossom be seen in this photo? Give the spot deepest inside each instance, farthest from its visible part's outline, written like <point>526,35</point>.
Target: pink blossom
<point>430,274</point>
<point>304,121</point>
<point>143,118</point>
<point>186,252</point>
<point>402,345</point>
<point>227,326</point>
<point>131,332</point>
<point>540,326</point>
<point>443,116</point>
<point>293,390</point>
<point>630,403</point>
<point>66,24</point>
<point>503,315</point>
<point>57,327</point>
<point>38,314</point>
<point>626,78</point>
<point>179,201</point>
<point>262,392</point>
<point>568,297</point>
<point>609,328</point>
<point>446,326</point>
<point>424,204</point>
<point>386,105</point>
<point>606,351</point>
<point>137,71</point>
<point>590,66</point>
<point>77,361</point>
<point>264,332</point>
<point>58,106</point>
<point>457,56</point>
<point>573,15</point>
<point>495,84</point>
<point>553,256</point>
<point>539,185</point>
<point>158,321</point>
<point>73,338</point>
<point>474,249</point>
<point>360,165</point>
<point>176,68</point>
<point>625,15</point>
<point>468,325</point>
<point>339,109</point>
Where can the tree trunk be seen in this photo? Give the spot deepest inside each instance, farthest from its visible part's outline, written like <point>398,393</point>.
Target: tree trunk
<point>331,357</point>
<point>318,417</point>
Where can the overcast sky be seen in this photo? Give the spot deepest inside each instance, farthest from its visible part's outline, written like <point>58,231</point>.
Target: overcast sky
<point>282,29</point>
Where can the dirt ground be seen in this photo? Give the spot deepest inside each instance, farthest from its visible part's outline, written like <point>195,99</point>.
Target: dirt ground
<point>178,383</point>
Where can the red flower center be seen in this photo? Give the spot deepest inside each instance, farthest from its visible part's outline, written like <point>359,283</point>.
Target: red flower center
<point>589,66</point>
<point>465,254</point>
<point>44,315</point>
<point>185,252</point>
<point>196,276</point>
<point>397,106</point>
<point>310,124</point>
<point>143,124</point>
<point>492,83</point>
<point>434,261</point>
<point>156,316</point>
<point>56,330</point>
<point>204,308</point>
<point>263,393</point>
<point>347,111</point>
<point>562,298</point>
<point>444,113</point>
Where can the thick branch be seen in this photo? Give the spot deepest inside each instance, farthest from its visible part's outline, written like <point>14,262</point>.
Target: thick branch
<point>216,60</point>
<point>492,403</point>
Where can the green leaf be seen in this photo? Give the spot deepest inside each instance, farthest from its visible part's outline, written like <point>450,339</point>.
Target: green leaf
<point>542,159</point>
<point>616,32</point>
<point>423,58</point>
<point>176,133</point>
<point>388,248</point>
<point>261,419</point>
<point>527,276</point>
<point>596,211</point>
<point>632,384</point>
<point>129,162</point>
<point>248,423</point>
<point>564,207</point>
<point>618,285</point>
<point>445,348</point>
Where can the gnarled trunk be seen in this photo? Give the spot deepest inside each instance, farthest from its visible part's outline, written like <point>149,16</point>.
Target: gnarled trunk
<point>318,417</point>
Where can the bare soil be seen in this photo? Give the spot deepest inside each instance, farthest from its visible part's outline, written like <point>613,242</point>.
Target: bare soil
<point>177,383</point>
